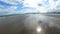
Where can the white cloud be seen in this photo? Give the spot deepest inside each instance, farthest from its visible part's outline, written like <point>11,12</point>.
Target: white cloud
<point>31,3</point>
<point>52,4</point>
<point>34,4</point>
<point>58,4</point>
<point>9,9</point>
<point>1,6</point>
<point>12,8</point>
<point>12,1</point>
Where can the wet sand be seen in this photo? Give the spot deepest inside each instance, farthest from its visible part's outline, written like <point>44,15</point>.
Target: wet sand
<point>28,24</point>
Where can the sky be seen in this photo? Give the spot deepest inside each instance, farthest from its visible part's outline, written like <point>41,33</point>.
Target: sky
<point>27,6</point>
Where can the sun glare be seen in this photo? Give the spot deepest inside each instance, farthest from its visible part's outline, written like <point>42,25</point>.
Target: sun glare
<point>39,29</point>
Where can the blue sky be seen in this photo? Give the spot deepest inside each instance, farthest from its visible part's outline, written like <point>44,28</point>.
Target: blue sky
<point>21,6</point>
